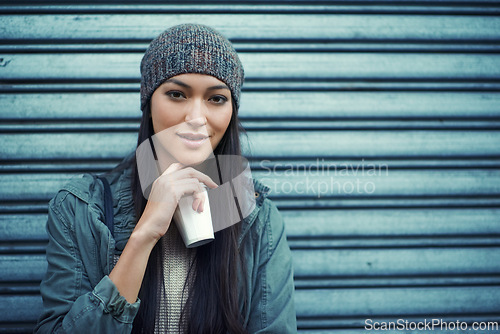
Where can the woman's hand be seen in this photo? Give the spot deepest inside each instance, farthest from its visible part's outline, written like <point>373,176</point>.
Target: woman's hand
<point>175,182</point>
<point>167,190</point>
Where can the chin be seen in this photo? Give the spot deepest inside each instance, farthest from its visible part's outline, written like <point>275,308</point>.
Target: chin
<point>192,158</point>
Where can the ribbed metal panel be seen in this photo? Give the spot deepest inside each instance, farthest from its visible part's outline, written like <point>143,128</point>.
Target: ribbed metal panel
<point>376,124</point>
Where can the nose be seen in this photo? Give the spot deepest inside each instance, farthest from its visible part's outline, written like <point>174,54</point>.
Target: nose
<point>195,115</point>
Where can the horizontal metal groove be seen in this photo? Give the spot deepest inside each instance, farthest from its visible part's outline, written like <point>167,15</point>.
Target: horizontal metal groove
<point>311,283</point>
<point>360,125</point>
<point>413,197</point>
<point>378,203</point>
<point>34,294</point>
<point>306,118</point>
<point>49,167</point>
<point>18,288</point>
<point>349,159</point>
<point>344,168</point>
<point>441,124</point>
<point>125,121</point>
<point>29,87</point>
<point>325,243</point>
<point>100,121</point>
<point>23,247</point>
<point>334,245</point>
<point>271,86</point>
<point>402,164</point>
<point>265,162</point>
<point>398,80</point>
<point>281,47</point>
<point>466,276</point>
<point>132,82</point>
<point>140,44</point>
<point>25,207</point>
<point>73,81</point>
<point>73,127</point>
<point>15,167</point>
<point>328,164</point>
<point>425,237</point>
<point>41,207</point>
<point>260,7</point>
<point>294,164</point>
<point>262,46</point>
<point>29,247</point>
<point>60,167</point>
<point>442,243</point>
<point>413,281</point>
<point>17,327</point>
<point>37,250</point>
<point>62,163</point>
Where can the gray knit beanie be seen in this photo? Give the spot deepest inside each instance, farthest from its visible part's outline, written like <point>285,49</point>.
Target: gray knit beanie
<point>190,48</point>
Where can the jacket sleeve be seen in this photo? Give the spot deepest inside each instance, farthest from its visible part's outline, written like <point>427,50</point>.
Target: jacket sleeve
<point>70,303</point>
<point>274,290</point>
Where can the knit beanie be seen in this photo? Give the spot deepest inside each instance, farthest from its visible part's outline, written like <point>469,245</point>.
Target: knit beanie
<point>190,48</point>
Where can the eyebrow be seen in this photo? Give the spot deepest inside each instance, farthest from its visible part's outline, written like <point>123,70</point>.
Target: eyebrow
<point>182,84</point>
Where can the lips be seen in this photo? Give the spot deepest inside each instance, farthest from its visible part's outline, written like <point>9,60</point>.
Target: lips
<point>193,140</point>
<point>192,136</point>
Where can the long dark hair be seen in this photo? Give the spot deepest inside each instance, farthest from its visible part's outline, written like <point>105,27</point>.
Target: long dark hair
<point>216,269</point>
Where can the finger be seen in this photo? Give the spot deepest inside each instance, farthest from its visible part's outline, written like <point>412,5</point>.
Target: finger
<point>202,205</point>
<point>167,189</point>
<point>199,199</point>
<point>189,171</point>
<point>196,204</point>
<point>188,186</point>
<point>173,168</point>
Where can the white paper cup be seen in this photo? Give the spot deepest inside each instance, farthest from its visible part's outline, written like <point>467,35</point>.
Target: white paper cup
<point>196,228</point>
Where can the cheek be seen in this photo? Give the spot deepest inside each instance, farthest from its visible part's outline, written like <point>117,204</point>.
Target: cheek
<point>162,119</point>
<point>221,123</point>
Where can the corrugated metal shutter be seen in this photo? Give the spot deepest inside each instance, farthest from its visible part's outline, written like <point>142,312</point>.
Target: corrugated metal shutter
<point>375,123</point>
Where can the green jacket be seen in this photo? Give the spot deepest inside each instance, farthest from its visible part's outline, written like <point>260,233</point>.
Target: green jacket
<point>79,297</point>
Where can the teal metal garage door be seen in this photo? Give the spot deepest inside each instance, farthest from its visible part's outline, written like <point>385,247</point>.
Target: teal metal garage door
<point>376,124</point>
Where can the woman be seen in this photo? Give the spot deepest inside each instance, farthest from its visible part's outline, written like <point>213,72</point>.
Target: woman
<point>142,279</point>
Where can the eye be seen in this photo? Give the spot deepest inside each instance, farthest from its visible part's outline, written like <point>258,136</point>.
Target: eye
<point>175,95</point>
<point>218,99</point>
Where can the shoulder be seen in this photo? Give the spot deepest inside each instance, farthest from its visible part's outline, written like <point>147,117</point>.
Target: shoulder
<point>73,203</point>
<point>83,186</point>
<point>84,194</point>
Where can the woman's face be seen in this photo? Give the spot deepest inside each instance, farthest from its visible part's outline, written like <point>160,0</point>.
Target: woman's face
<point>190,114</point>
